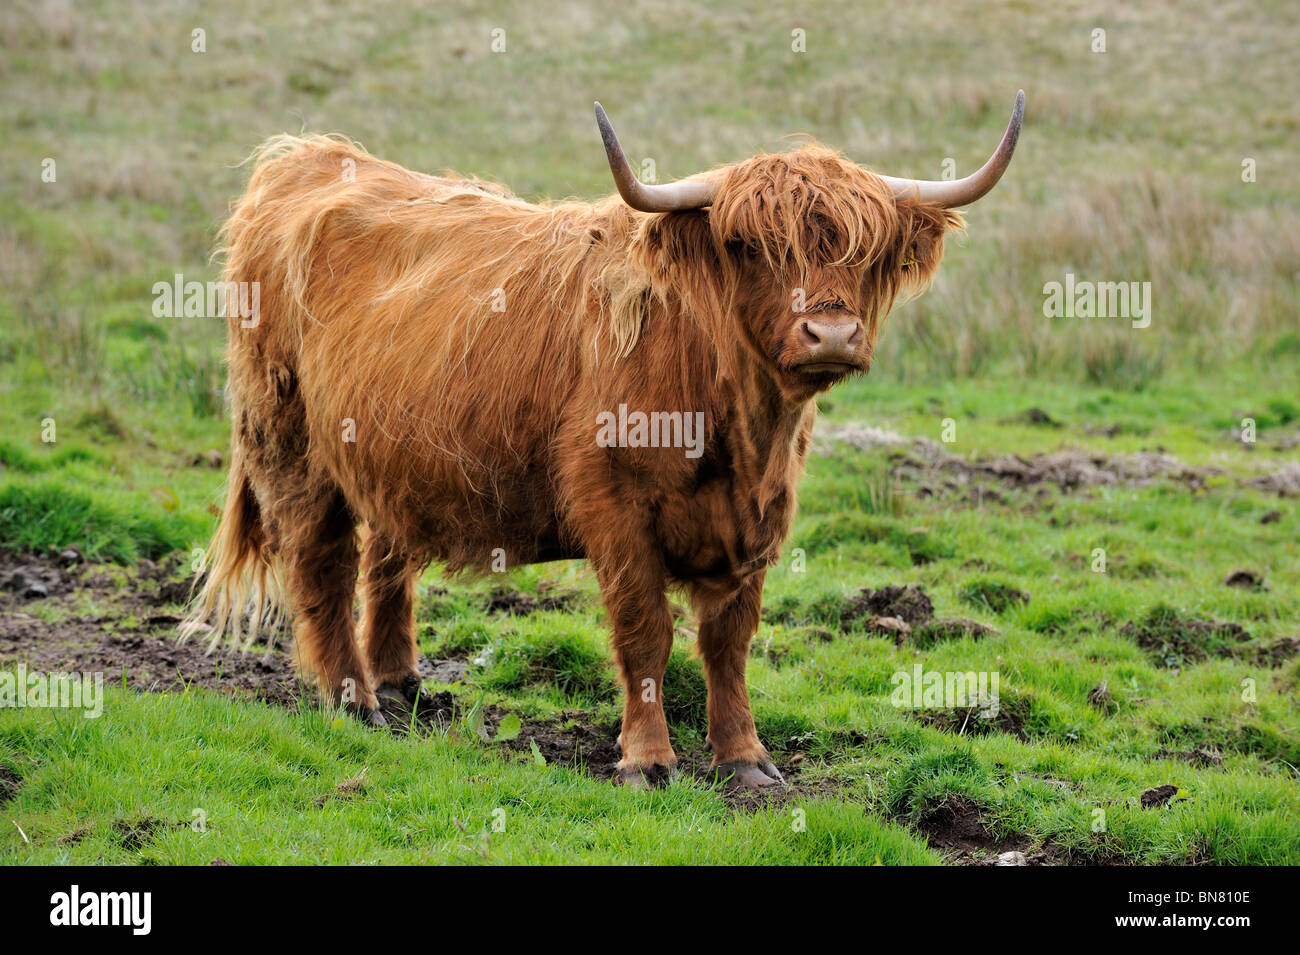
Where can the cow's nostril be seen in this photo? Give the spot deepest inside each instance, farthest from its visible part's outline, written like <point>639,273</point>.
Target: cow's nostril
<point>809,336</point>
<point>856,338</point>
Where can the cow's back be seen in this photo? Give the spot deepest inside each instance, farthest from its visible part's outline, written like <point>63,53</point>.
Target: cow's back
<point>423,332</point>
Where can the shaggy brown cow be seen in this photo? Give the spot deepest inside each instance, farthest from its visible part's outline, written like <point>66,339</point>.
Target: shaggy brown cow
<point>466,373</point>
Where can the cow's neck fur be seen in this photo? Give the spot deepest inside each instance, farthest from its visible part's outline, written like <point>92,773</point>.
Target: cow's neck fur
<point>764,446</point>
<point>761,439</point>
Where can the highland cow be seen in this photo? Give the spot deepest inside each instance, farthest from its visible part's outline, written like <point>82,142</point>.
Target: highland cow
<point>436,365</point>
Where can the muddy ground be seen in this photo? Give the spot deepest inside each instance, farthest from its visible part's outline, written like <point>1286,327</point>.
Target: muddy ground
<point>930,469</point>
<point>123,623</point>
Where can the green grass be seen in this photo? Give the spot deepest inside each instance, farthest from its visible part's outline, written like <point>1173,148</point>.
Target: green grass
<point>1128,170</point>
<point>110,526</point>
<point>138,783</point>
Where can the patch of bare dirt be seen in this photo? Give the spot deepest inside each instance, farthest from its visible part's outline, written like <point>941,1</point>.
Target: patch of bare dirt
<point>549,597</point>
<point>1175,641</point>
<point>1199,757</point>
<point>955,827</point>
<point>1273,654</point>
<point>93,622</point>
<point>976,720</point>
<point>935,470</point>
<point>909,604</point>
<point>9,783</point>
<point>1033,416</point>
<point>134,835</point>
<point>1245,580</point>
<point>573,741</point>
<point>907,615</point>
<point>1284,482</point>
<point>1171,636</point>
<point>446,670</point>
<point>35,577</point>
<point>1157,796</point>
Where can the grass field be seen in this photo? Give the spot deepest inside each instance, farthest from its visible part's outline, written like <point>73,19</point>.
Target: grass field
<point>1070,495</point>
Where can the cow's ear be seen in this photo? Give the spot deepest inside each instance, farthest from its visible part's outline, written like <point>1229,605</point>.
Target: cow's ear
<point>679,241</point>
<point>920,238</point>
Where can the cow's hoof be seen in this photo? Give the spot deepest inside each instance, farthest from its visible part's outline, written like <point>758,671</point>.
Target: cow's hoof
<point>742,775</point>
<point>404,698</point>
<point>366,715</point>
<point>655,776</point>
<point>406,690</point>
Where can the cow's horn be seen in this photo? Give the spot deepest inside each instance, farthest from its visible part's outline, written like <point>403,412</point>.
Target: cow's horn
<point>961,192</point>
<point>669,197</point>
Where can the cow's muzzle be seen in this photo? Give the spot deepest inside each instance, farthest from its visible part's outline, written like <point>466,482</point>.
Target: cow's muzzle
<point>830,346</point>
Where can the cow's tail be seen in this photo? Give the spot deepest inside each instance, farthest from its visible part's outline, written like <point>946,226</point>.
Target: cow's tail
<point>239,588</point>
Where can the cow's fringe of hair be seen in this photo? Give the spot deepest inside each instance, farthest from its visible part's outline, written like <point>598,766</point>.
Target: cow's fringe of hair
<point>812,205</point>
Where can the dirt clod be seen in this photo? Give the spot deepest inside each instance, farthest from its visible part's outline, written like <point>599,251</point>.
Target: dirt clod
<point>909,604</point>
<point>1199,757</point>
<point>516,602</point>
<point>349,788</point>
<point>1273,654</point>
<point>954,628</point>
<point>1245,579</point>
<point>894,627</point>
<point>997,597</point>
<point>979,719</point>
<point>1284,482</point>
<point>9,783</point>
<point>75,836</point>
<point>1174,641</point>
<point>135,835</point>
<point>1034,416</point>
<point>1100,697</point>
<point>1157,796</point>
<point>955,827</point>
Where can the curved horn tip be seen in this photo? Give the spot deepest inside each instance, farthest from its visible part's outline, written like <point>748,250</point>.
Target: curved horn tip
<point>669,197</point>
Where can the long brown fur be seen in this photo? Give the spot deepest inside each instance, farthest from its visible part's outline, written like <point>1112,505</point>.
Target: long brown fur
<point>429,361</point>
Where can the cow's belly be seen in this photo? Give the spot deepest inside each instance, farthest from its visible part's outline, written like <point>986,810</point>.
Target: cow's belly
<point>488,525</point>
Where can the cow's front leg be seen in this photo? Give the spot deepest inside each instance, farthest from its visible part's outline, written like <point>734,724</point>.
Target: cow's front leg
<point>643,640</point>
<point>726,629</point>
<point>621,546</point>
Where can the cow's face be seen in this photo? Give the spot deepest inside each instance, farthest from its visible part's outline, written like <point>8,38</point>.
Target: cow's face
<point>819,250</point>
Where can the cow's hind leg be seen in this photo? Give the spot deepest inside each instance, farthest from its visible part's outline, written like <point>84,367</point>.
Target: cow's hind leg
<point>318,545</point>
<point>388,624</point>
<point>726,629</point>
